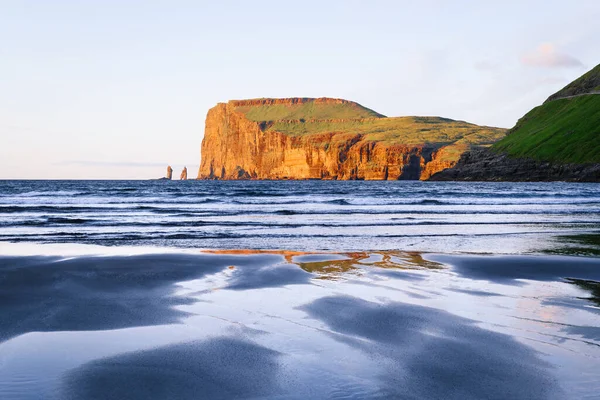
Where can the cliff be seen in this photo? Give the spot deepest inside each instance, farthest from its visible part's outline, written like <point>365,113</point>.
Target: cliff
<point>306,138</point>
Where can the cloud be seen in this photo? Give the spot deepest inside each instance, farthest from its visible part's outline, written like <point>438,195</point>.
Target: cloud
<point>110,164</point>
<point>486,66</point>
<point>547,55</point>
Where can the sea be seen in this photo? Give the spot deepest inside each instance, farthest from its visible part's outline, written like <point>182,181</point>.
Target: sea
<point>299,289</point>
<point>301,215</point>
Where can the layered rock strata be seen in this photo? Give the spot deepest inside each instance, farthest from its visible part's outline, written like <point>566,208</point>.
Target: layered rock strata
<point>303,138</point>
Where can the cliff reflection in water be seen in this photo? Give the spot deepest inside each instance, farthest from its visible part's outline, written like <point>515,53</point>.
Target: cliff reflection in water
<point>337,265</point>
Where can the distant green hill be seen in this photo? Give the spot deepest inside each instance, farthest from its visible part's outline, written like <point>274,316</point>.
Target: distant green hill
<point>565,129</point>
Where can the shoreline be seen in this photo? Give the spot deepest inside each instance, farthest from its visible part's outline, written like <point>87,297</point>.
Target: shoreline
<point>591,239</point>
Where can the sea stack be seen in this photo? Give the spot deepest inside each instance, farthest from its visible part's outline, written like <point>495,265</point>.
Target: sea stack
<point>183,175</point>
<point>326,138</point>
<point>169,172</point>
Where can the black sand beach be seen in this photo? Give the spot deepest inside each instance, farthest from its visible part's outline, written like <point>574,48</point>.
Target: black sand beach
<point>276,325</point>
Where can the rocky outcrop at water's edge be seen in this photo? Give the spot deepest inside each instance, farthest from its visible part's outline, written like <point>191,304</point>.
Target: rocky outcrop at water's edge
<point>488,165</point>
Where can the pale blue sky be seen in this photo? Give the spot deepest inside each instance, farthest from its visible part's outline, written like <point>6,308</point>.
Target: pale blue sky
<point>120,89</point>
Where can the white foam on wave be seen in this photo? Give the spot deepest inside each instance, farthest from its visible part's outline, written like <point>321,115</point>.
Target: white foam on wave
<point>78,249</point>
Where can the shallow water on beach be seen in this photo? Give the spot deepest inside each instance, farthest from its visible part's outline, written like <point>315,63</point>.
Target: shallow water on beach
<point>248,324</point>
<point>148,290</point>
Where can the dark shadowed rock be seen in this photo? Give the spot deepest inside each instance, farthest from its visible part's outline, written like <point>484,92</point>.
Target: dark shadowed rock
<point>488,165</point>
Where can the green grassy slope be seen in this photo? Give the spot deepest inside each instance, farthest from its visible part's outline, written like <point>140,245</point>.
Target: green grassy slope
<point>307,110</point>
<point>587,83</point>
<point>563,130</point>
<point>322,117</point>
<point>400,130</point>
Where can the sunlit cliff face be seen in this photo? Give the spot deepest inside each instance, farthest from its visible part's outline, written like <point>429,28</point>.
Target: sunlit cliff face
<point>325,138</point>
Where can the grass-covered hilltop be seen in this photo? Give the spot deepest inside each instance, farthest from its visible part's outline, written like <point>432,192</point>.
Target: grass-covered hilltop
<point>588,83</point>
<point>321,116</point>
<point>558,140</point>
<point>325,138</point>
<point>563,130</point>
<point>302,108</point>
<point>566,128</point>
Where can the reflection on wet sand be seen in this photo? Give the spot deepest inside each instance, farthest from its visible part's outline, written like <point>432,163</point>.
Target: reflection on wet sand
<point>332,266</point>
<point>373,324</point>
<point>593,287</point>
<point>436,351</point>
<point>221,368</point>
<point>334,269</point>
<point>577,245</point>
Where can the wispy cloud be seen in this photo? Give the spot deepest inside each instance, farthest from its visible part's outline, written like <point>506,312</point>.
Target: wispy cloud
<point>547,55</point>
<point>119,164</point>
<point>486,65</point>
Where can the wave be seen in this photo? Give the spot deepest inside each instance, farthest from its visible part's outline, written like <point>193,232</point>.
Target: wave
<point>46,222</point>
<point>53,209</point>
<point>60,220</point>
<point>286,212</point>
<point>159,236</point>
<point>127,190</point>
<point>431,202</point>
<point>133,210</point>
<point>341,202</point>
<point>258,213</point>
<point>49,193</point>
<point>361,202</point>
<point>282,224</point>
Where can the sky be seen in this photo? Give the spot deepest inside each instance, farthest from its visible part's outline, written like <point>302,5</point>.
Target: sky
<point>120,89</point>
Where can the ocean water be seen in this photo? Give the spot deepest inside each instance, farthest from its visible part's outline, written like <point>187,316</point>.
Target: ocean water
<point>303,215</point>
<point>298,290</point>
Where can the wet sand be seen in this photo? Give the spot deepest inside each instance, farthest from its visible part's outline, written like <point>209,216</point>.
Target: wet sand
<point>250,324</point>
